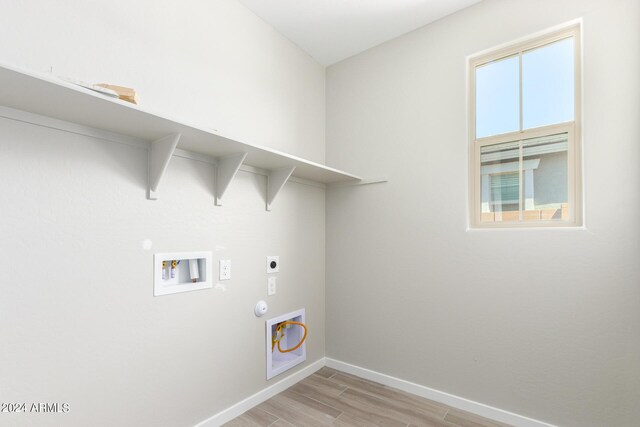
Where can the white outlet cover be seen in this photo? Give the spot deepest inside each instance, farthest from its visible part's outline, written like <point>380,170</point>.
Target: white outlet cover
<point>225,269</point>
<point>271,286</point>
<point>275,269</point>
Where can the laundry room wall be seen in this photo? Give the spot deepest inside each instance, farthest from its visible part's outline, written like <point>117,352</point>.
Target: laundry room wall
<point>542,323</point>
<point>76,294</point>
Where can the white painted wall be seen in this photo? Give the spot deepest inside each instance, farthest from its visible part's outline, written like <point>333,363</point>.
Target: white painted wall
<point>80,323</point>
<point>543,323</point>
<point>212,63</point>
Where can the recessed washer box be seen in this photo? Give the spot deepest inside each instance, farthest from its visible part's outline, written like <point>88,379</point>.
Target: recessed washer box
<point>175,272</point>
<point>278,362</point>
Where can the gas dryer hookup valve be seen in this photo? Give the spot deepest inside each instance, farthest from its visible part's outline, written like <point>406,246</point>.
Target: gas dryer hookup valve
<point>261,309</point>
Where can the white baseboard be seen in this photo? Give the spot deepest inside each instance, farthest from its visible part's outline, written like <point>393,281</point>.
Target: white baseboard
<point>265,394</point>
<point>417,389</point>
<point>438,396</point>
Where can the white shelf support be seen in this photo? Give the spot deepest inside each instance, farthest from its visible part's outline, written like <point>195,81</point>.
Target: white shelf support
<point>160,153</point>
<point>367,181</point>
<point>276,179</point>
<point>226,169</point>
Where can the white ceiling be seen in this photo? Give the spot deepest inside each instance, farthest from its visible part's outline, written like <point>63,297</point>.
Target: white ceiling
<point>332,30</point>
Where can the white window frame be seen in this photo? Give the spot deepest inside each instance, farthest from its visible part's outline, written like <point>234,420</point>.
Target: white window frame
<point>572,129</point>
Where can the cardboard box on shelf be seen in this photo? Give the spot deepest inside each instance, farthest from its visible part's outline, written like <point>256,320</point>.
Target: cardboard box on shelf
<point>124,93</point>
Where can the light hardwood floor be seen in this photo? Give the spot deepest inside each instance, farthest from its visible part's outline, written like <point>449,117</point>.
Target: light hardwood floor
<point>334,398</point>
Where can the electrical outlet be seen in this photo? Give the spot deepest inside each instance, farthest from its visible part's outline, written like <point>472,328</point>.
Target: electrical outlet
<point>273,264</point>
<point>225,269</point>
<point>271,286</point>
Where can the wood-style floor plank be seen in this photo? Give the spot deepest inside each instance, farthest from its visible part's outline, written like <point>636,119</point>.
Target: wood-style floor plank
<point>290,413</point>
<point>314,404</point>
<point>318,412</point>
<point>323,384</point>
<point>458,418</point>
<point>281,423</point>
<point>243,421</point>
<point>402,399</point>
<point>347,420</point>
<point>260,417</point>
<point>333,398</point>
<point>396,410</point>
<point>254,417</point>
<point>372,414</point>
<point>325,372</point>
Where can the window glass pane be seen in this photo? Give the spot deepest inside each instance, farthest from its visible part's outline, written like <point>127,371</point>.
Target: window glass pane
<point>547,84</point>
<point>545,178</point>
<point>504,187</point>
<point>499,182</point>
<point>498,97</point>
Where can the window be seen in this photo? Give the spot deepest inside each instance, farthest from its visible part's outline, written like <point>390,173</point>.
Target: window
<point>525,123</point>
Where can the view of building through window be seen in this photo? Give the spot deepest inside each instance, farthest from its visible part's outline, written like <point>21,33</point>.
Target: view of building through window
<point>543,167</point>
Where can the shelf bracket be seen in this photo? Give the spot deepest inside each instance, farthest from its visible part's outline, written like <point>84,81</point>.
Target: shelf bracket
<point>226,169</point>
<point>160,153</point>
<point>276,179</point>
<point>360,182</point>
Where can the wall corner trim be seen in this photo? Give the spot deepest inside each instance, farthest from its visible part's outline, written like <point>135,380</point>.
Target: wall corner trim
<point>438,396</point>
<point>259,397</point>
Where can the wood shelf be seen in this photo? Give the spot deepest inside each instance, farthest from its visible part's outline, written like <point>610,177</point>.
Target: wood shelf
<point>49,96</point>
